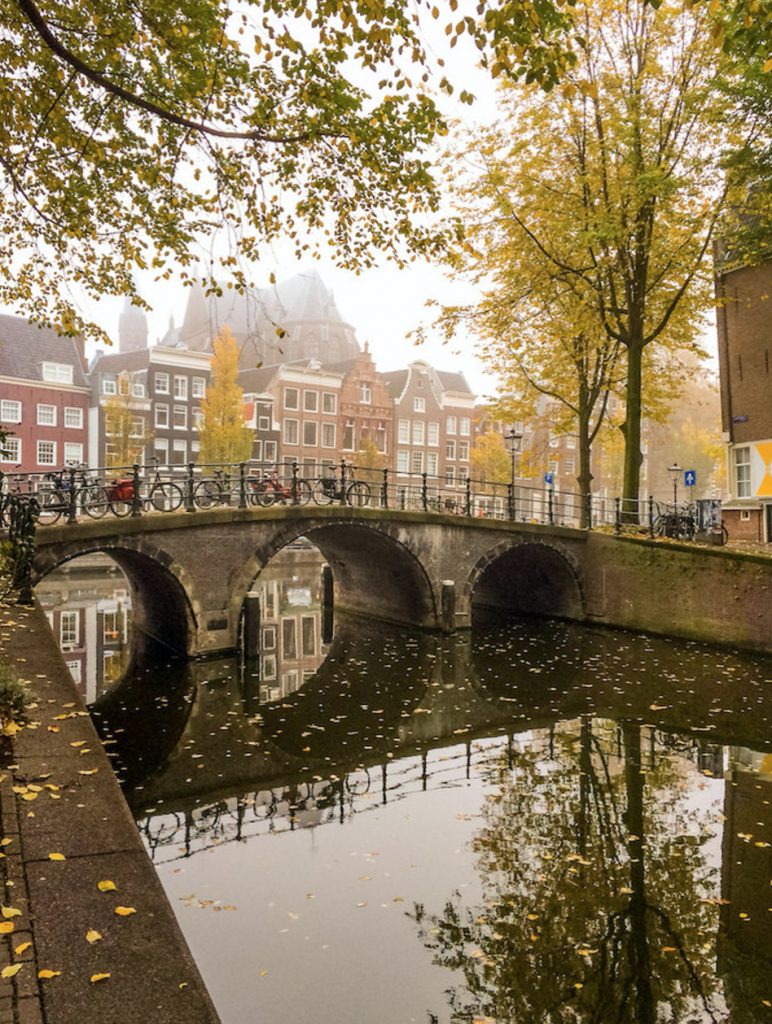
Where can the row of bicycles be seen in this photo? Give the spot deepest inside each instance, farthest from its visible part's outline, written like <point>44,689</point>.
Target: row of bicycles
<point>63,492</point>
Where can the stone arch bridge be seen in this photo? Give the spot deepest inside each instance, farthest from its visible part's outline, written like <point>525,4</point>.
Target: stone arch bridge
<point>190,573</point>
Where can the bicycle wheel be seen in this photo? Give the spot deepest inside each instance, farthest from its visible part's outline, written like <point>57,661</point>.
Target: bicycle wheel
<point>93,500</point>
<point>207,493</point>
<point>358,494</point>
<point>52,506</point>
<point>264,494</point>
<point>324,492</point>
<point>120,506</point>
<point>163,496</point>
<point>303,492</point>
<point>724,535</point>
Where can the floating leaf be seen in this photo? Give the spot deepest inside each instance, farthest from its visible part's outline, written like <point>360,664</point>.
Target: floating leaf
<point>105,886</point>
<point>99,977</point>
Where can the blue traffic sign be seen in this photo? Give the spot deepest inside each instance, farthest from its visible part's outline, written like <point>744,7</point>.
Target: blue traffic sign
<point>549,478</point>
<point>690,477</point>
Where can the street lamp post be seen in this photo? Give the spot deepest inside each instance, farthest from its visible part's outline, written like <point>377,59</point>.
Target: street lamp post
<point>675,471</point>
<point>514,437</point>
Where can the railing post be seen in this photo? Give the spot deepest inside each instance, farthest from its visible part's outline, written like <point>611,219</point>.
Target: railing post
<point>342,495</point>
<point>424,494</point>
<point>294,483</point>
<point>468,496</point>
<point>190,505</point>
<point>511,500</point>
<point>72,511</point>
<point>651,516</point>
<point>589,510</point>
<point>385,488</point>
<point>136,501</point>
<point>550,511</point>
<point>242,485</point>
<point>617,516</point>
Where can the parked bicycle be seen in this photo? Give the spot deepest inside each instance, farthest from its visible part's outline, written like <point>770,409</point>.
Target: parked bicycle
<point>62,489</point>
<point>271,491</point>
<point>218,489</point>
<point>328,489</point>
<point>676,524</point>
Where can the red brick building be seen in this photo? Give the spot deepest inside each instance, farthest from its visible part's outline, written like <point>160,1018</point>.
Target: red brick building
<point>44,398</point>
<point>744,340</point>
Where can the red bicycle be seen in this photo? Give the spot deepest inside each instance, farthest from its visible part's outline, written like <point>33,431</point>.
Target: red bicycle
<point>271,491</point>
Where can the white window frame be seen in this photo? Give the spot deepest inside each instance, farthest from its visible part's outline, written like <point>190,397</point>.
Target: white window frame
<point>43,410</point>
<point>464,426</point>
<point>419,404</point>
<point>288,424</point>
<point>40,461</point>
<point>271,451</point>
<point>181,387</point>
<point>287,393</point>
<point>263,422</point>
<point>161,450</point>
<point>180,445</point>
<point>328,435</point>
<point>73,457</point>
<point>403,432</point>
<point>307,425</point>
<point>12,447</point>
<point>198,387</point>
<point>138,390</point>
<point>69,410</point>
<point>162,383</point>
<point>365,394</point>
<point>432,460</point>
<point>433,434</point>
<point>450,450</point>
<point>463,450</point>
<point>329,403</point>
<point>57,373</point>
<point>416,462</point>
<point>162,415</point>
<point>742,480</point>
<point>109,386</point>
<point>403,460</point>
<point>10,410</point>
<point>69,629</point>
<point>450,425</point>
<point>182,412</point>
<point>310,401</point>
<point>419,432</point>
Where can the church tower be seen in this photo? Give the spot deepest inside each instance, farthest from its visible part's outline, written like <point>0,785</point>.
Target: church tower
<point>132,328</point>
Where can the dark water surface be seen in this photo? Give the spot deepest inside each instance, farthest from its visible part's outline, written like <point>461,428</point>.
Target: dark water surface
<point>540,823</point>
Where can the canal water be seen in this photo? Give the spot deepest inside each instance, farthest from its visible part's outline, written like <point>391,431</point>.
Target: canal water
<point>539,823</point>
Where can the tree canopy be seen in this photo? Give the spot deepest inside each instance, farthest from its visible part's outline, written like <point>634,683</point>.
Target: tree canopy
<point>224,437</point>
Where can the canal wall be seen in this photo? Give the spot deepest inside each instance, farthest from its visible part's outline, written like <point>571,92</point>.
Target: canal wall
<point>716,595</point>
<point>59,796</point>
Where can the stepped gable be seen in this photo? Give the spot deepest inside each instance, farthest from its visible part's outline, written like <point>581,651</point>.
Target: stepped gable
<point>24,347</point>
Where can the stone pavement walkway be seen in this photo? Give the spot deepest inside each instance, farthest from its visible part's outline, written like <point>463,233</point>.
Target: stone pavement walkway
<point>66,828</point>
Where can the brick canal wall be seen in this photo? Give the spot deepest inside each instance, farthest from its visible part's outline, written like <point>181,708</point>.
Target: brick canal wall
<point>84,818</point>
<point>712,594</point>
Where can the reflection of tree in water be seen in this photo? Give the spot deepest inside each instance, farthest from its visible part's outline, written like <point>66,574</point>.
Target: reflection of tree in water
<point>597,892</point>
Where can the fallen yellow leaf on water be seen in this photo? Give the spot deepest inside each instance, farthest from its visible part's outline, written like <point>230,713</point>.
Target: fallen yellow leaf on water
<point>48,974</point>
<point>99,977</point>
<point>5,841</point>
<point>78,743</point>
<point>6,927</point>
<point>21,949</point>
<point>183,984</point>
<point>92,935</point>
<point>669,949</point>
<point>56,856</point>
<point>29,796</point>
<point>10,912</point>
<point>105,886</point>
<point>124,911</point>
<point>8,972</point>
<point>88,771</point>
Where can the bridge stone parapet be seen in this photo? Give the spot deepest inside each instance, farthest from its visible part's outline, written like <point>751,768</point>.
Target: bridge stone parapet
<point>190,572</point>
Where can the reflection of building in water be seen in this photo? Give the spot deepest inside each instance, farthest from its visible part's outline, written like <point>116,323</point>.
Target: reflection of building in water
<point>745,959</point>
<point>88,606</point>
<point>291,648</point>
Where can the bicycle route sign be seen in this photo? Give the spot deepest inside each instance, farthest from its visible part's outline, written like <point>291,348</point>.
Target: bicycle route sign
<point>690,477</point>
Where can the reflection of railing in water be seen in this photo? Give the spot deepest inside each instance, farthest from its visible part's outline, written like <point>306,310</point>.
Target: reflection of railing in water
<point>320,802</point>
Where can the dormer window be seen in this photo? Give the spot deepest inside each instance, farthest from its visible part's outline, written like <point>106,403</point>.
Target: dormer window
<point>57,373</point>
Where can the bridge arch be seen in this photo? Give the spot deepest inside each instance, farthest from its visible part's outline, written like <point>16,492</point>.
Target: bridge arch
<point>375,567</point>
<point>527,577</point>
<point>163,605</point>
